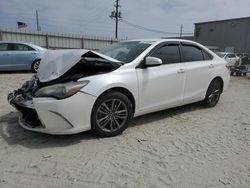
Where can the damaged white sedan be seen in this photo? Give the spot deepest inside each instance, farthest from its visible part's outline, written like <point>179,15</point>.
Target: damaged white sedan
<point>80,90</point>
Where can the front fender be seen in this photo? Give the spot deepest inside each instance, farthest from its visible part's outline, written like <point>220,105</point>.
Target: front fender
<point>98,84</point>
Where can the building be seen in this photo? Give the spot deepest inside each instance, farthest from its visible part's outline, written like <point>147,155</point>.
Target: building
<point>232,35</point>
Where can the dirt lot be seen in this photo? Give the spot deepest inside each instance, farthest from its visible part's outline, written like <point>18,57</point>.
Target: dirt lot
<point>188,146</point>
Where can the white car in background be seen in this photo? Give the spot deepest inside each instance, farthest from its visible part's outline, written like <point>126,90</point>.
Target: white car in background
<point>80,90</point>
<point>231,58</point>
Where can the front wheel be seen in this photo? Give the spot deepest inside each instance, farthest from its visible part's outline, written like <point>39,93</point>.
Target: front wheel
<point>111,114</point>
<point>35,66</point>
<point>213,93</point>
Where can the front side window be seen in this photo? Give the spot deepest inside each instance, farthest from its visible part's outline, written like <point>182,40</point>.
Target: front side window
<point>3,47</point>
<point>191,53</point>
<point>20,47</point>
<point>168,54</point>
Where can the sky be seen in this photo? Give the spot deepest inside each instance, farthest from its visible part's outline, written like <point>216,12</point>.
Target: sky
<point>91,17</point>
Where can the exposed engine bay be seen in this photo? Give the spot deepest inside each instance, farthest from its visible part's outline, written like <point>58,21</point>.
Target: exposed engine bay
<point>89,64</point>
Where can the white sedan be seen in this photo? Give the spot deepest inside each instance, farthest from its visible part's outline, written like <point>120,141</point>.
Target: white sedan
<point>231,58</point>
<point>80,90</point>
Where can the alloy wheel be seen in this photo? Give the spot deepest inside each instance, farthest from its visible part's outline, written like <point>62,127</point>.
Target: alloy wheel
<point>214,92</point>
<point>36,65</point>
<point>111,115</point>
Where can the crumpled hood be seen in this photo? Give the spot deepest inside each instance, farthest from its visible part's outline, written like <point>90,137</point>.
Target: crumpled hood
<point>55,63</point>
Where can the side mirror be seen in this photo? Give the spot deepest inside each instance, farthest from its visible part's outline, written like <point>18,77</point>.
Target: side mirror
<point>152,61</point>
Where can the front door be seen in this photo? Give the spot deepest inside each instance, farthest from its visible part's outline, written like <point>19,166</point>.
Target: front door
<point>162,86</point>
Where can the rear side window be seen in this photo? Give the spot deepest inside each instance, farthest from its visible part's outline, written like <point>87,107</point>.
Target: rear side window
<point>191,53</point>
<point>3,47</point>
<point>20,47</point>
<point>168,54</point>
<point>206,55</point>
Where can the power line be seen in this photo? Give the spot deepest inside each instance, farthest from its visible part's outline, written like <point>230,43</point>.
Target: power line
<point>152,30</point>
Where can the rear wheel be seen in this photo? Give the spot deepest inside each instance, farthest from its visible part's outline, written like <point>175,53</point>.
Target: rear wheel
<point>213,93</point>
<point>35,66</point>
<point>111,114</point>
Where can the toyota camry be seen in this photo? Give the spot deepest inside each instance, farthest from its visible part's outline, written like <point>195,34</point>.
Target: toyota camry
<point>80,90</point>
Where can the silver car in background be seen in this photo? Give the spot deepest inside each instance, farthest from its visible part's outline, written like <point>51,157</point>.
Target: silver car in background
<point>20,56</point>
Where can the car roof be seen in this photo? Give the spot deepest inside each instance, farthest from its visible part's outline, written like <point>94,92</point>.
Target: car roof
<point>159,40</point>
<point>162,40</point>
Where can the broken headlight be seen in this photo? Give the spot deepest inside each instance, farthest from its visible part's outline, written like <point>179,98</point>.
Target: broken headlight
<point>61,91</point>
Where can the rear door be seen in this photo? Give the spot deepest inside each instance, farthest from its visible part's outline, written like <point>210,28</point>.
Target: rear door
<point>22,56</point>
<point>162,86</point>
<point>5,59</point>
<point>199,71</point>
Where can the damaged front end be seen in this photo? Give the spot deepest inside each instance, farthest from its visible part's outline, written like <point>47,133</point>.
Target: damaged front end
<point>57,79</point>
<point>22,100</point>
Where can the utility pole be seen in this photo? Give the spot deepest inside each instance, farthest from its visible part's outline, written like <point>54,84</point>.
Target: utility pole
<point>181,30</point>
<point>37,22</point>
<point>116,14</point>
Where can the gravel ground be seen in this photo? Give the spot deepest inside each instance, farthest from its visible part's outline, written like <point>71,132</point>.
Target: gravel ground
<point>188,146</point>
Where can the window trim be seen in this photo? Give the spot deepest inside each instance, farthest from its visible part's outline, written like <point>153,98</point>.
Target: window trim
<point>196,46</point>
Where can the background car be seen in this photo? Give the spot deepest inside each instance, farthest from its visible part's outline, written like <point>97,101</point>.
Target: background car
<point>231,58</point>
<point>20,56</point>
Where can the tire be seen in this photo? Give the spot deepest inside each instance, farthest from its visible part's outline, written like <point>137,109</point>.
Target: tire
<point>111,114</point>
<point>35,66</point>
<point>213,93</point>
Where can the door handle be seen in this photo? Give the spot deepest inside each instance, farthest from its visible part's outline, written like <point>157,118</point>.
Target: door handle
<point>211,66</point>
<point>181,70</point>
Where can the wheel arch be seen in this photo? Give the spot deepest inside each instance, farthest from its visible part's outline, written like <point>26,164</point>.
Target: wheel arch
<point>37,59</point>
<point>32,64</point>
<point>221,80</point>
<point>124,91</point>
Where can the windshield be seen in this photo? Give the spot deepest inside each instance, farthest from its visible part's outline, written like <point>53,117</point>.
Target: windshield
<point>125,51</point>
<point>220,54</point>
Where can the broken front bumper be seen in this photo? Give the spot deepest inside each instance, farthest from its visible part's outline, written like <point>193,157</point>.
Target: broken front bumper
<point>29,117</point>
<point>52,116</point>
